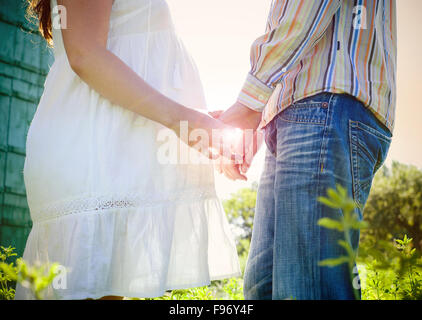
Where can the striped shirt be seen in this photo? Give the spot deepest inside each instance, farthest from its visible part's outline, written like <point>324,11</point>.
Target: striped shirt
<point>314,46</point>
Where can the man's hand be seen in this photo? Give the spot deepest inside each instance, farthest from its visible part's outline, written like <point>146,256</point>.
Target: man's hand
<point>239,116</point>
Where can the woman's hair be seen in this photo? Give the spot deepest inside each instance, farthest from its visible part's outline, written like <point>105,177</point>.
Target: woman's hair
<point>41,10</point>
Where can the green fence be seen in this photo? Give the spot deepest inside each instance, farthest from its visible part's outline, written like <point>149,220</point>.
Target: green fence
<point>24,63</point>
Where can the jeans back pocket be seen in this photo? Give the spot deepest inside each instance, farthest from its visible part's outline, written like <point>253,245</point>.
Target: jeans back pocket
<point>368,150</point>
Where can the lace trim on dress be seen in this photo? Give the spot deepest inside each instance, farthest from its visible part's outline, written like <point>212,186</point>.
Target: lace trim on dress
<point>115,201</point>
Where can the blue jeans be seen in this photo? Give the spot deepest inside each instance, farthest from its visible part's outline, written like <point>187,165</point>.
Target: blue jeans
<point>316,143</point>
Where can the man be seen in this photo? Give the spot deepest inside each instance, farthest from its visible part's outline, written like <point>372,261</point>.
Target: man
<point>322,86</point>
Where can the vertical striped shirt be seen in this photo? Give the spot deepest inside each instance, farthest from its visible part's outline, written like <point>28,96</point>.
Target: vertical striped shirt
<point>314,46</point>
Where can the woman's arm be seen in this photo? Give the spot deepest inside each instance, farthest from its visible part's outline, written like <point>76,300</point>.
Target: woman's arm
<point>85,41</point>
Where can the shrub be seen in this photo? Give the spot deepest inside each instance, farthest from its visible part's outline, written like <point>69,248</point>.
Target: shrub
<point>36,278</point>
<point>394,206</point>
<point>392,269</point>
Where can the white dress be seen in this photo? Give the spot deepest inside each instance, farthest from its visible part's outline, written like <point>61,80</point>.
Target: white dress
<point>102,205</point>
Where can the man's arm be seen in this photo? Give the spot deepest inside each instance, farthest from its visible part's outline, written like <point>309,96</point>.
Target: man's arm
<point>294,28</point>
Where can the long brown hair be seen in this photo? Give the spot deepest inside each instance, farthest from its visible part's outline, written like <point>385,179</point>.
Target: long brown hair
<point>41,10</point>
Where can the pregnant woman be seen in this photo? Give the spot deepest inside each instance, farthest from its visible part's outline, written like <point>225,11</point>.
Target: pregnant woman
<point>120,221</point>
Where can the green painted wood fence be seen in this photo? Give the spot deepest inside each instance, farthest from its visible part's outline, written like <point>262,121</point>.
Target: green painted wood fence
<point>24,63</point>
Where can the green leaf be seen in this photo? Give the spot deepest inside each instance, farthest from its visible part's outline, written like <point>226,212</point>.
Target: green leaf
<point>331,224</point>
<point>348,248</point>
<point>358,225</point>
<point>335,196</point>
<point>328,202</point>
<point>334,261</point>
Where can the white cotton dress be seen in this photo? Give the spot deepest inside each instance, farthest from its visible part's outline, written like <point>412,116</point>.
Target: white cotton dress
<point>103,206</point>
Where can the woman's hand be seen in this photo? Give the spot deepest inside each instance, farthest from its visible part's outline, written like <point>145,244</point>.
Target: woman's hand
<point>207,135</point>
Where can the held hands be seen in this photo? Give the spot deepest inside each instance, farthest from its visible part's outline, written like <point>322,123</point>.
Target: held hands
<point>245,143</point>
<point>230,138</point>
<point>209,136</point>
<point>247,146</point>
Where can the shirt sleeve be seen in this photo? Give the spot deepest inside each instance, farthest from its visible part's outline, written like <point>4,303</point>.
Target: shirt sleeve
<point>294,27</point>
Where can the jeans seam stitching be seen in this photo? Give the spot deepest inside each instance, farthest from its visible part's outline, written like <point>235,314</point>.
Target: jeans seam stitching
<point>324,136</point>
<point>360,146</point>
<point>354,163</point>
<point>320,169</point>
<point>371,130</point>
<point>308,105</point>
<point>310,122</point>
